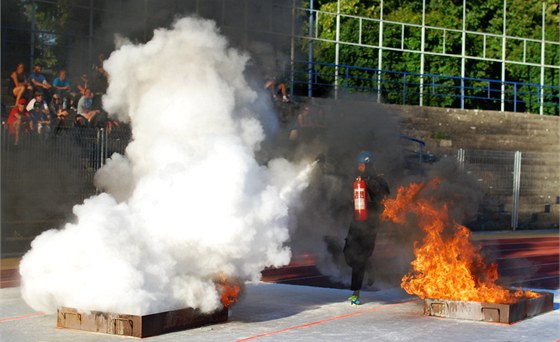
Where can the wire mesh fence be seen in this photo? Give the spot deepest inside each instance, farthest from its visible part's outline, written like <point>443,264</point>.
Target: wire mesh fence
<point>521,189</point>
<point>77,152</point>
<point>42,178</point>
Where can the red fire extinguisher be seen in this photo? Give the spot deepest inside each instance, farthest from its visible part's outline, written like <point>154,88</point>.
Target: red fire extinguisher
<point>360,203</point>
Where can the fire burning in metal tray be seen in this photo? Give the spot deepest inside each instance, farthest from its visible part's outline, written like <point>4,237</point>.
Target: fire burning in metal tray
<point>448,271</point>
<point>490,312</point>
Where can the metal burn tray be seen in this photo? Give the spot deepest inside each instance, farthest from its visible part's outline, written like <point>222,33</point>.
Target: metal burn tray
<point>488,312</point>
<point>135,325</point>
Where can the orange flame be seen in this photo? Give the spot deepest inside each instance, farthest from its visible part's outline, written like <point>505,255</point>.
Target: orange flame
<point>229,290</point>
<point>447,264</point>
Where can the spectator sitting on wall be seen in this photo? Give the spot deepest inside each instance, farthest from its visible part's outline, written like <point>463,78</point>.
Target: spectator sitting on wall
<point>39,114</point>
<point>276,87</point>
<point>61,85</point>
<point>72,105</point>
<point>112,125</point>
<point>39,82</point>
<point>83,83</point>
<point>19,84</point>
<point>18,120</point>
<point>59,112</point>
<point>307,123</point>
<point>304,118</point>
<point>85,111</point>
<point>99,75</point>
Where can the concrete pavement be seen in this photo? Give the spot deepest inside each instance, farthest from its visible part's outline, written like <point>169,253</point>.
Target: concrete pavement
<point>277,312</point>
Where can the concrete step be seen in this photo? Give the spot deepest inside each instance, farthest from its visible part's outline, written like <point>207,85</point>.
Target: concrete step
<point>450,146</point>
<point>548,134</point>
<point>473,138</point>
<point>529,202</point>
<point>448,125</point>
<point>483,129</point>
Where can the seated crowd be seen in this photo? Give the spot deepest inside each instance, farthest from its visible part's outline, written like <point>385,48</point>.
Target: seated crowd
<point>43,108</point>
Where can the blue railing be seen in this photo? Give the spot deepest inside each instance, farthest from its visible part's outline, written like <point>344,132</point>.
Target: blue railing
<point>435,90</point>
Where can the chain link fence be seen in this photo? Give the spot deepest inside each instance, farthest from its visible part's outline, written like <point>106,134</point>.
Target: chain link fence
<point>42,179</point>
<point>522,189</point>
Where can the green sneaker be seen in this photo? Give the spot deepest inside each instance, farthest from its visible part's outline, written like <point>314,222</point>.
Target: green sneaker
<point>354,300</point>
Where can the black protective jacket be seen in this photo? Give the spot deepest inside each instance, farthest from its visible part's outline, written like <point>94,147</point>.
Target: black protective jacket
<point>360,240</point>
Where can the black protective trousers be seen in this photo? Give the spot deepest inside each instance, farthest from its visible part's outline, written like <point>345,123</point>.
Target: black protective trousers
<point>358,247</point>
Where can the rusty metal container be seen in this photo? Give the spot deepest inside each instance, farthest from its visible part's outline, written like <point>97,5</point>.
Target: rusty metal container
<point>488,312</point>
<point>134,325</point>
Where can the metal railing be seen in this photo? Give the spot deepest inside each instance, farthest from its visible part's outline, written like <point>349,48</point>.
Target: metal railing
<point>405,88</point>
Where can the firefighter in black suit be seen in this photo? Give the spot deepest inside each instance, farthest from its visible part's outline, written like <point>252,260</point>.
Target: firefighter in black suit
<point>360,240</point>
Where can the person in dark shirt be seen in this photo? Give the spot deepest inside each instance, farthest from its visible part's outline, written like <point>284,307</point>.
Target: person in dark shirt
<point>39,82</point>
<point>19,84</point>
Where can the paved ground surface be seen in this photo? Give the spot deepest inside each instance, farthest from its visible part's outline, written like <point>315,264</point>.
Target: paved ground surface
<point>282,311</point>
<point>277,312</point>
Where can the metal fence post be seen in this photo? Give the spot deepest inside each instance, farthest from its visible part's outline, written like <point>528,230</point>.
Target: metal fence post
<point>103,147</point>
<point>404,89</point>
<point>97,150</point>
<point>310,52</point>
<point>516,187</point>
<point>461,159</point>
<point>515,97</point>
<point>347,75</point>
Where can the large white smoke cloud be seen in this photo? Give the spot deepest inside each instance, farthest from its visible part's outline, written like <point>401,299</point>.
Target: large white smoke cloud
<point>187,202</point>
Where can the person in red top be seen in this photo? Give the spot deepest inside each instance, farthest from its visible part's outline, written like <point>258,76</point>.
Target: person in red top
<point>18,119</point>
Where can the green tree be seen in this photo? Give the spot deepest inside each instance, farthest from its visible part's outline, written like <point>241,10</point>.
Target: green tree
<point>524,19</point>
<point>50,20</point>
<point>349,32</point>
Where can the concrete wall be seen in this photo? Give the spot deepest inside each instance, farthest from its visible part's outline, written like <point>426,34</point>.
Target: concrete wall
<point>487,133</point>
<point>448,129</point>
<point>537,137</point>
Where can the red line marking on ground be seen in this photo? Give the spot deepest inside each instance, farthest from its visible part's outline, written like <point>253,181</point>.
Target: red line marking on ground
<point>6,319</point>
<point>326,320</point>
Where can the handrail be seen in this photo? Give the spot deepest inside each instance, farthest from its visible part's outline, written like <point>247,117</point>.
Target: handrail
<point>484,93</point>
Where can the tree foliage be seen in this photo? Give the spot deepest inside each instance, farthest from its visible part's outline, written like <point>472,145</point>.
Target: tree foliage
<point>49,20</point>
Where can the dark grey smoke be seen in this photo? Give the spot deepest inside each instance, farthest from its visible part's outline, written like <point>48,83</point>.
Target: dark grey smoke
<point>353,124</point>
<point>242,22</point>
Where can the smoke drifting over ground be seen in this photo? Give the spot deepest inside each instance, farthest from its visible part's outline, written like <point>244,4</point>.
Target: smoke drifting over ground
<point>188,203</point>
<point>350,125</point>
